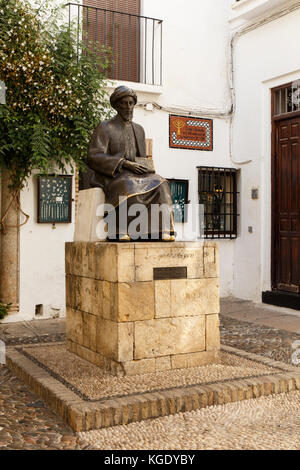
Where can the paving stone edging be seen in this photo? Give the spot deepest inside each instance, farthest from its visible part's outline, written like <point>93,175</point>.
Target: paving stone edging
<point>84,416</point>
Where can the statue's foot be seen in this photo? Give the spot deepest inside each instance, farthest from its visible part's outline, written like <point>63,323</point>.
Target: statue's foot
<point>124,238</point>
<point>167,237</point>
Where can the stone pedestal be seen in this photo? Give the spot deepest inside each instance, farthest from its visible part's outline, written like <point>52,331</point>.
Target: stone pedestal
<point>135,308</point>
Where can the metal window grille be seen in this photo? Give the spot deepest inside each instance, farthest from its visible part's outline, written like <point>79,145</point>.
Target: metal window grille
<point>287,99</point>
<point>218,193</point>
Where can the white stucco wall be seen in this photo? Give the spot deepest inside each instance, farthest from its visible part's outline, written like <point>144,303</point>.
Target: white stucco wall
<point>264,58</point>
<point>194,51</point>
<point>41,261</point>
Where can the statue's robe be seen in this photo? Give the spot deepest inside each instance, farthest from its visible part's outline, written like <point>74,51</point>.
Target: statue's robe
<point>112,142</point>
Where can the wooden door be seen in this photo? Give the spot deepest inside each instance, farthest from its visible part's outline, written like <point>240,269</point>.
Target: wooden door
<point>286,206</point>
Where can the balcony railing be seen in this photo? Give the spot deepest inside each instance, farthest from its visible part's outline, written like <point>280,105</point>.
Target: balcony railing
<point>134,41</point>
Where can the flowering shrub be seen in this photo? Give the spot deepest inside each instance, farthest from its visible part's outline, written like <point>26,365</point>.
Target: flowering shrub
<point>4,310</point>
<point>55,97</point>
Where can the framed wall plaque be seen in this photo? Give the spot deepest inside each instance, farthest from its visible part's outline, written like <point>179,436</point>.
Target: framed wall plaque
<point>190,133</point>
<point>55,199</point>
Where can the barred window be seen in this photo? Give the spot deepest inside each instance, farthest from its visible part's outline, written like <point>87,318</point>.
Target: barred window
<point>286,99</point>
<point>218,193</point>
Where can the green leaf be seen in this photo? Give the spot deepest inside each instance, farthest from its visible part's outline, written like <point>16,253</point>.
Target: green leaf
<point>55,97</point>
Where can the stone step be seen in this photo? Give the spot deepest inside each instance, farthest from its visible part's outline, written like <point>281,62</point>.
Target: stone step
<point>83,414</point>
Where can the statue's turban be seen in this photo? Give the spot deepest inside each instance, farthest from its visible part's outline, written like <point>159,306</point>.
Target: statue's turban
<point>120,92</point>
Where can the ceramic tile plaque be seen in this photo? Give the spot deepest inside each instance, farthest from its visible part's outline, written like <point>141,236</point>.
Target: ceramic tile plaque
<point>190,133</point>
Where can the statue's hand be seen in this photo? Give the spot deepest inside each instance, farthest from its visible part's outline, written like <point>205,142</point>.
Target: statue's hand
<point>135,167</point>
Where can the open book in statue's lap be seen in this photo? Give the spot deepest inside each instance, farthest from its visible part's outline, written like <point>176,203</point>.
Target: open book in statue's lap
<point>117,154</point>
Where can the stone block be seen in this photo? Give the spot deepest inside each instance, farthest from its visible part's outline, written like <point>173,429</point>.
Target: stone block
<point>110,300</point>
<point>74,325</point>
<point>76,418</point>
<point>163,363</point>
<point>69,247</point>
<point>80,293</point>
<point>143,366</point>
<point>126,302</point>
<point>210,296</point>
<point>186,297</point>
<point>89,331</point>
<point>125,342</point>
<point>88,260</point>
<point>178,297</point>
<point>99,360</point>
<point>211,260</point>
<point>194,297</point>
<point>107,338</point>
<point>87,226</point>
<point>212,332</point>
<point>181,255</point>
<point>97,298</point>
<point>78,259</point>
<point>162,299</point>
<point>87,294</point>
<point>182,361</point>
<point>70,291</point>
<point>163,337</point>
<point>126,263</point>
<point>135,301</point>
<point>115,340</point>
<point>106,258</point>
<point>114,262</point>
<point>106,299</point>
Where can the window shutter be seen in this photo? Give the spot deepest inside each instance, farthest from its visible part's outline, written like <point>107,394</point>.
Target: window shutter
<point>118,32</point>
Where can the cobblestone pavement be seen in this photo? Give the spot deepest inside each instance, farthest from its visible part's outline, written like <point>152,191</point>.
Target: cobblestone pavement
<point>26,424</point>
<point>265,423</point>
<point>270,342</point>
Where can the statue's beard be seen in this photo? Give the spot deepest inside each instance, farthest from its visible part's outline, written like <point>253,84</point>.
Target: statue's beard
<point>127,116</point>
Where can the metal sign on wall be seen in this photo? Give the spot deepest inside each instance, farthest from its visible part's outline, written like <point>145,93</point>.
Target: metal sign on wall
<point>55,199</point>
<point>179,193</point>
<point>190,133</point>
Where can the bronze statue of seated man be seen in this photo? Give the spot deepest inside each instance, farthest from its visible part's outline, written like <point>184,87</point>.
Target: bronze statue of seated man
<point>117,156</point>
